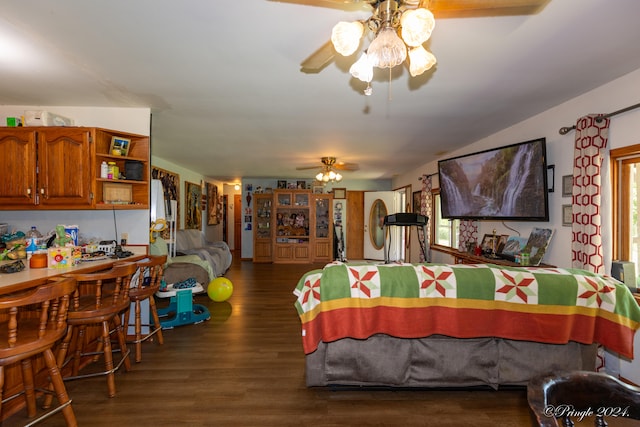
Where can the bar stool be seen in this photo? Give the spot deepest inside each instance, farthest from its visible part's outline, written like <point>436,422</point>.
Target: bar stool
<point>148,283</point>
<point>99,300</point>
<point>27,332</point>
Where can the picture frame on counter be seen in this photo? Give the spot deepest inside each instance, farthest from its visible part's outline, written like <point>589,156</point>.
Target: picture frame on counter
<point>119,146</point>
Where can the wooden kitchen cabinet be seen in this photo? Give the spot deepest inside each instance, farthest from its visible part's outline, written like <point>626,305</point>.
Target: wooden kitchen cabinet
<point>59,168</point>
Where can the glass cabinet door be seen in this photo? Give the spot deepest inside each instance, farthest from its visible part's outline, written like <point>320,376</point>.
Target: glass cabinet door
<point>322,219</point>
<point>263,217</point>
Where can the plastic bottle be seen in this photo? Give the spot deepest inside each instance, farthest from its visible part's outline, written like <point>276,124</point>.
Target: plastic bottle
<point>111,170</point>
<point>32,239</point>
<point>104,170</point>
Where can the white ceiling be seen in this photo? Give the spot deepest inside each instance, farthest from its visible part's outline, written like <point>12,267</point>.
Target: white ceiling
<point>223,80</point>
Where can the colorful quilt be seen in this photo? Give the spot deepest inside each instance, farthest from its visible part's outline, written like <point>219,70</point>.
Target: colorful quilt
<point>464,301</point>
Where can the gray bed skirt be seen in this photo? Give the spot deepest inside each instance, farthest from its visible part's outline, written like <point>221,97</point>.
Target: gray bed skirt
<point>441,361</point>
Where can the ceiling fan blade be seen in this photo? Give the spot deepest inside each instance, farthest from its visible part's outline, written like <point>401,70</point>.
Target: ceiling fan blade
<point>348,5</point>
<point>465,8</point>
<point>318,59</point>
<point>302,168</point>
<point>346,166</point>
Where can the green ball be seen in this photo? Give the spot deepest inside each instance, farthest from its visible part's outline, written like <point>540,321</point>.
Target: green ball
<point>220,289</point>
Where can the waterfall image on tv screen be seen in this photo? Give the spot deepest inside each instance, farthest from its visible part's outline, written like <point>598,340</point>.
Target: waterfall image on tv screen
<point>504,183</point>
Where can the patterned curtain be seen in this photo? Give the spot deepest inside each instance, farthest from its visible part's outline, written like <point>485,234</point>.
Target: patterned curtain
<point>589,153</point>
<point>468,233</point>
<point>426,207</point>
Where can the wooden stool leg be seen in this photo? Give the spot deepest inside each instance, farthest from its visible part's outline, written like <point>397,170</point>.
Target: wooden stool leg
<point>28,387</point>
<point>59,388</point>
<point>122,342</point>
<point>79,345</point>
<point>156,319</point>
<point>1,386</point>
<point>108,359</point>
<point>138,331</point>
<point>63,348</point>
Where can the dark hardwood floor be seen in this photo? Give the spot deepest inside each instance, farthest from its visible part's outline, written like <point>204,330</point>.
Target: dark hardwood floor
<point>245,367</point>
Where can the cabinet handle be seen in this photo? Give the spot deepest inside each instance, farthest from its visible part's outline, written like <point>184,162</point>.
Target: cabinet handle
<point>29,192</point>
<point>43,193</point>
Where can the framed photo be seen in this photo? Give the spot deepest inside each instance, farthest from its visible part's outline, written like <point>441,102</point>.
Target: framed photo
<point>318,189</point>
<point>551,178</point>
<point>282,184</point>
<point>192,211</point>
<point>567,186</point>
<point>301,185</point>
<point>567,215</point>
<point>212,204</point>
<point>339,193</point>
<point>417,201</point>
<point>488,243</point>
<point>119,146</point>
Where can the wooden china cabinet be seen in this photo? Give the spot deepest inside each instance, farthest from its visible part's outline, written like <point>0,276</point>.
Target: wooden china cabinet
<point>302,227</point>
<point>262,233</point>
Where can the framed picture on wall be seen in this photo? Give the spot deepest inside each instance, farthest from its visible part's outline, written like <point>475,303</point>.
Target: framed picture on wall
<point>339,193</point>
<point>567,215</point>
<point>171,187</point>
<point>212,204</point>
<point>567,186</point>
<point>417,201</point>
<point>192,211</point>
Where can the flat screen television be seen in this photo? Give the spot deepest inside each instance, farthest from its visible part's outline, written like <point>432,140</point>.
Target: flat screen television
<point>505,183</point>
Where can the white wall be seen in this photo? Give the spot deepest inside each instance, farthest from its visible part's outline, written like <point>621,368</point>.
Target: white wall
<point>96,224</point>
<point>623,131</point>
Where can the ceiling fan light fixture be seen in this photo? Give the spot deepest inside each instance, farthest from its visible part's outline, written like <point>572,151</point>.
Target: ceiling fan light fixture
<point>362,69</point>
<point>420,60</point>
<point>346,36</point>
<point>387,50</point>
<point>417,26</point>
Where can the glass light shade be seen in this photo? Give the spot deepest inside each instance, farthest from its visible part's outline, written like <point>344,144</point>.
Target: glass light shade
<point>346,36</point>
<point>319,176</point>
<point>387,50</point>
<point>420,60</point>
<point>338,177</point>
<point>362,69</point>
<point>417,26</point>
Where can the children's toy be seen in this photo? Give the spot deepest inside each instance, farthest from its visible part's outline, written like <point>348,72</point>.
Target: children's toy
<point>181,310</point>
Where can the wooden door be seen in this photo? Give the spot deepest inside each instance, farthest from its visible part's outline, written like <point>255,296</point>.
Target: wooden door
<point>65,166</point>
<point>354,225</point>
<point>237,223</point>
<point>18,183</point>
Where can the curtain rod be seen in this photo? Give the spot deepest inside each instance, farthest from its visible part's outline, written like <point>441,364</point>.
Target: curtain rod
<point>566,130</point>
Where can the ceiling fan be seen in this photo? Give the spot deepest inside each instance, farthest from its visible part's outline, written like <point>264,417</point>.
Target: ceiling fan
<point>440,8</point>
<point>330,169</point>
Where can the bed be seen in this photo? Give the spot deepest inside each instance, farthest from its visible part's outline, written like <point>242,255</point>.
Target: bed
<point>439,325</point>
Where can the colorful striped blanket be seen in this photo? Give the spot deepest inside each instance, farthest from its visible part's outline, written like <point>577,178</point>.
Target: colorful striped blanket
<point>464,301</point>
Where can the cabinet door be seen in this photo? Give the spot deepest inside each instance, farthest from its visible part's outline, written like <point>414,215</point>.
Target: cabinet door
<point>18,181</point>
<point>322,228</point>
<point>65,168</point>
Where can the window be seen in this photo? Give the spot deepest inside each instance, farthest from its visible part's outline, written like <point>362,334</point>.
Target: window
<point>625,180</point>
<point>444,231</point>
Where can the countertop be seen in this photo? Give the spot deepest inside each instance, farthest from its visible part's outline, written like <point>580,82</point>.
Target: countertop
<point>30,277</point>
